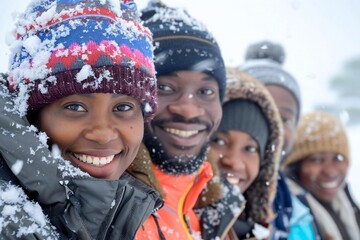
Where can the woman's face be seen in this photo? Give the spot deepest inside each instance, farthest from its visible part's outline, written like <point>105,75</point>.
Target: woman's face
<point>237,155</point>
<point>99,133</point>
<point>323,173</point>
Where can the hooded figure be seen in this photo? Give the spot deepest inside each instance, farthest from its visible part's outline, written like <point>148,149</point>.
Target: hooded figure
<point>317,168</point>
<point>82,72</point>
<point>264,62</point>
<point>250,162</point>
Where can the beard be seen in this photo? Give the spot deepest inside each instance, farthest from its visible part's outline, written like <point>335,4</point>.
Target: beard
<point>176,165</point>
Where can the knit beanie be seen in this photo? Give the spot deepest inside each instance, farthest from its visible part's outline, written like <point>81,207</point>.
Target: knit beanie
<point>246,116</point>
<point>66,47</point>
<point>319,132</point>
<point>264,62</point>
<point>183,43</point>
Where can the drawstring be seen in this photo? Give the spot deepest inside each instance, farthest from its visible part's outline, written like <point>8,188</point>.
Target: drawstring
<point>161,235</point>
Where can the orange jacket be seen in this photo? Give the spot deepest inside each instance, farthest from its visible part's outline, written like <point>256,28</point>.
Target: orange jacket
<point>177,218</point>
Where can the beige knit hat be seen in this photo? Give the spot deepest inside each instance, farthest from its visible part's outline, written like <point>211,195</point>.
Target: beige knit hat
<point>319,132</point>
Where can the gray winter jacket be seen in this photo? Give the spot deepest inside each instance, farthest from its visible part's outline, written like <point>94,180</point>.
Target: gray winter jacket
<point>77,205</point>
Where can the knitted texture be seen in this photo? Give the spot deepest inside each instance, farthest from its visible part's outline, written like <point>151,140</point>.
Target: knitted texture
<point>246,116</point>
<point>264,62</point>
<point>262,191</point>
<point>319,132</point>
<point>183,43</point>
<point>81,46</point>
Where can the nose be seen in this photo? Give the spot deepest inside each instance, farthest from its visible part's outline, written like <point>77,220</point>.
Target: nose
<point>187,106</point>
<point>232,160</point>
<point>330,170</point>
<point>100,131</point>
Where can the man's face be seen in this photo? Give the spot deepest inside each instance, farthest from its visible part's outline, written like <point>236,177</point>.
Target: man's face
<point>100,133</point>
<point>323,174</point>
<point>288,110</point>
<point>189,111</point>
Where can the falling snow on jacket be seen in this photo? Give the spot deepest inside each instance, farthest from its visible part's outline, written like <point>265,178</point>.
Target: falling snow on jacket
<point>208,205</point>
<point>339,219</point>
<point>79,206</point>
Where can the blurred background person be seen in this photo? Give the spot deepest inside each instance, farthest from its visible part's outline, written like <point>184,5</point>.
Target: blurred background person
<point>264,61</point>
<point>319,164</point>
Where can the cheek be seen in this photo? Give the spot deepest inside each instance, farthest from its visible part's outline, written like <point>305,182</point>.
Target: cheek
<point>308,174</point>
<point>215,152</point>
<point>215,113</point>
<point>289,138</point>
<point>344,168</point>
<point>134,132</point>
<point>59,132</point>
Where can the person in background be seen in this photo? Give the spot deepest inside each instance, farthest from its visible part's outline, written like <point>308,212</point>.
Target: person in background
<point>318,164</point>
<point>247,148</point>
<point>174,159</point>
<point>83,74</point>
<point>263,61</point>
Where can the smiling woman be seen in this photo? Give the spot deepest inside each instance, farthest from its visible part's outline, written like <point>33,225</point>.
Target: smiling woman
<point>85,77</point>
<point>99,133</point>
<point>319,164</point>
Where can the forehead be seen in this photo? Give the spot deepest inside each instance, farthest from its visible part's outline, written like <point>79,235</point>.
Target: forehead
<point>284,99</point>
<point>191,76</point>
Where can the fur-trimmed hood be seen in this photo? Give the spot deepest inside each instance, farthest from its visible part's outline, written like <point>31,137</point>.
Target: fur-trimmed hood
<point>262,191</point>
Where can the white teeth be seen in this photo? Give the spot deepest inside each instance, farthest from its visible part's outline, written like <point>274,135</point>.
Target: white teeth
<point>329,185</point>
<point>233,180</point>
<point>181,133</point>
<point>97,161</point>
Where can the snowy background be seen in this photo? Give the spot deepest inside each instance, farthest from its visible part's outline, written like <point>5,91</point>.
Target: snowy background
<point>319,36</point>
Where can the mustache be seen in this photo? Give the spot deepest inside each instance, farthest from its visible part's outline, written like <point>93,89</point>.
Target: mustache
<point>179,119</point>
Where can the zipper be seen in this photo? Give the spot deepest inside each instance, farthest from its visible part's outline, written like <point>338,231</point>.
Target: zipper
<point>116,208</point>
<point>68,191</point>
<point>187,221</point>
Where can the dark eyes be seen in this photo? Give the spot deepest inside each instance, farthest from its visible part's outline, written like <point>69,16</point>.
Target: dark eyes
<point>320,159</point>
<point>75,107</point>
<point>288,121</point>
<point>339,158</point>
<point>252,149</point>
<point>206,91</point>
<point>221,142</point>
<point>166,88</point>
<point>123,107</point>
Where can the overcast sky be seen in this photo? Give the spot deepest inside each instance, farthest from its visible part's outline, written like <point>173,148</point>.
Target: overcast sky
<point>318,36</point>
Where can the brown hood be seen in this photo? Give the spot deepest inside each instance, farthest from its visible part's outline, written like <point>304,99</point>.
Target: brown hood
<point>262,191</point>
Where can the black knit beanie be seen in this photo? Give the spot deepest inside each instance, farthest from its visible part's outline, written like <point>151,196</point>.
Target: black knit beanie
<point>246,116</point>
<point>183,43</point>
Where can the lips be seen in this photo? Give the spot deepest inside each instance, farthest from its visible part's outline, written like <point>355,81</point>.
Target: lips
<point>94,160</point>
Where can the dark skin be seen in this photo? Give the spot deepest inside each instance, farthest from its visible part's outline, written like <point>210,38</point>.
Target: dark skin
<point>100,133</point>
<point>289,110</point>
<point>323,174</point>
<point>189,111</point>
<point>237,154</point>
